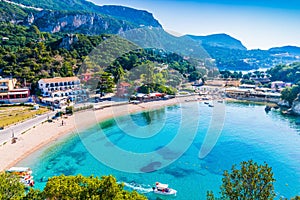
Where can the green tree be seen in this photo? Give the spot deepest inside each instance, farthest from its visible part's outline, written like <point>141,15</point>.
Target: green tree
<point>34,194</point>
<point>11,187</point>
<point>286,73</point>
<point>195,76</point>
<point>105,83</point>
<point>250,182</point>
<point>290,94</point>
<point>80,187</point>
<point>147,72</point>
<point>66,69</point>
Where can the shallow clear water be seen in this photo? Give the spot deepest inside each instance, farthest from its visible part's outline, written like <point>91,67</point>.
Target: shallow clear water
<point>248,133</point>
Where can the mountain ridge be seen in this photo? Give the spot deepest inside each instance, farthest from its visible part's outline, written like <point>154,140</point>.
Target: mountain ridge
<point>149,37</point>
<point>286,49</point>
<point>223,50</point>
<point>134,16</point>
<point>219,40</point>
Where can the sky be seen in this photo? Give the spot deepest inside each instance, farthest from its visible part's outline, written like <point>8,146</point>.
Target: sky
<point>258,24</point>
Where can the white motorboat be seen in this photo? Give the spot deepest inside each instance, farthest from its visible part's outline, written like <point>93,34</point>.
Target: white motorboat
<point>163,189</point>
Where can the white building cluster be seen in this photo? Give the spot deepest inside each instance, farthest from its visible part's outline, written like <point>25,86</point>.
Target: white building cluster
<point>56,90</point>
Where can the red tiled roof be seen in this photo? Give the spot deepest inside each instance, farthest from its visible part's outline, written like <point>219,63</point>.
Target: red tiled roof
<point>60,79</point>
<point>124,84</point>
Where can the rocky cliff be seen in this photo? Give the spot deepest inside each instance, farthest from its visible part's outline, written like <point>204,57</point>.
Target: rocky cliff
<point>296,106</point>
<point>73,22</point>
<point>77,19</point>
<point>137,17</point>
<point>130,15</point>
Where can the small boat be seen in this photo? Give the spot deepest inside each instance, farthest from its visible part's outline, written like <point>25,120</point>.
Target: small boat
<point>210,105</point>
<point>163,189</point>
<point>25,175</point>
<point>206,103</point>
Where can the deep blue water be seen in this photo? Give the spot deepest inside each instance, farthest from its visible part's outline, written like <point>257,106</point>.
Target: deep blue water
<point>168,141</point>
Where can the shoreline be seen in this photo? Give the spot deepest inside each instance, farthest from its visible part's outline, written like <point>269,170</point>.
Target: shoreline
<point>48,132</point>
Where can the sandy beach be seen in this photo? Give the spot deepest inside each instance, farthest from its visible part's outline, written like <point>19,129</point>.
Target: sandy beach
<point>47,132</point>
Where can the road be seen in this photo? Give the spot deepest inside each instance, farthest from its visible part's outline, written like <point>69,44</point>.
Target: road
<point>18,129</point>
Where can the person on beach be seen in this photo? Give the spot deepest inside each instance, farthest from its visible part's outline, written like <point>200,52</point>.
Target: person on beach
<point>62,122</point>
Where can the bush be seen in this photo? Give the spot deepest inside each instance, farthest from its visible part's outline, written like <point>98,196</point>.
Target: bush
<point>70,110</point>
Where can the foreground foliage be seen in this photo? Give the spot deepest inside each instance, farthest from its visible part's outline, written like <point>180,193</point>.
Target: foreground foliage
<point>68,187</point>
<point>250,182</point>
<point>10,187</point>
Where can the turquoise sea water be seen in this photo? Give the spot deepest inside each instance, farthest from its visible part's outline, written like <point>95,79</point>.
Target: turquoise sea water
<point>248,133</point>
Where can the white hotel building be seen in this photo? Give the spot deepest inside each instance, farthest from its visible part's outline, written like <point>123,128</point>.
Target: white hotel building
<point>61,88</point>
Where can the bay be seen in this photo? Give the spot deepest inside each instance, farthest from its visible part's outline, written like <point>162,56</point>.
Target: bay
<point>169,140</point>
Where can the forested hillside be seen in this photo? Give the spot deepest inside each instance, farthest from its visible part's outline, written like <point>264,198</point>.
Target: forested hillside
<point>140,27</point>
<point>291,49</point>
<point>219,40</point>
<point>28,54</point>
<point>230,54</point>
<point>149,37</point>
<point>13,13</point>
<point>286,73</point>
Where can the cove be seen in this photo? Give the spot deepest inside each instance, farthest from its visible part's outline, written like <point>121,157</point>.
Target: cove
<point>248,133</point>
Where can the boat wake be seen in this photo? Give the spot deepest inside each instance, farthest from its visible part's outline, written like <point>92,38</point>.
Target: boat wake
<point>138,187</point>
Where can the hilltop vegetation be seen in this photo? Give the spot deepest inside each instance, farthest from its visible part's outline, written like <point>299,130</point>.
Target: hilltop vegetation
<point>12,13</point>
<point>29,55</point>
<point>149,37</point>
<point>286,73</point>
<point>140,27</point>
<point>230,54</point>
<point>219,40</point>
<point>284,49</point>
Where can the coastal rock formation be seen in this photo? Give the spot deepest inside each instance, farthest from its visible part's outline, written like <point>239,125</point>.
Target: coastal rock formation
<point>283,103</point>
<point>296,106</point>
